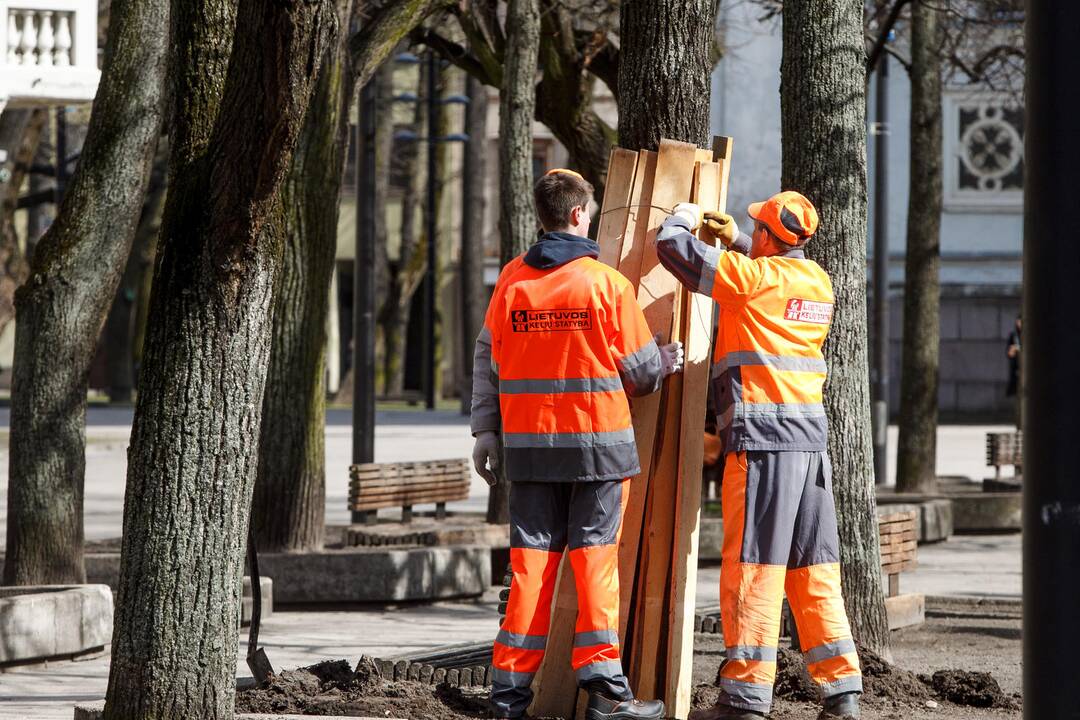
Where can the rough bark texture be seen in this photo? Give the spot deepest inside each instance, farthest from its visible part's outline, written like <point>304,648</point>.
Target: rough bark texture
<point>62,306</point>
<point>407,271</point>
<point>21,133</point>
<point>823,102</point>
<point>193,456</point>
<point>665,57</point>
<point>381,33</point>
<point>120,328</point>
<point>290,492</point>
<point>474,174</point>
<point>517,214</point>
<point>916,453</point>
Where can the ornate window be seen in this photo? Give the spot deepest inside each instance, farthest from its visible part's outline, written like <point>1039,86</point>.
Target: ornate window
<point>984,151</point>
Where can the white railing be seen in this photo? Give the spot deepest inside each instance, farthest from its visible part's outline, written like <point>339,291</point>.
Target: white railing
<point>48,51</point>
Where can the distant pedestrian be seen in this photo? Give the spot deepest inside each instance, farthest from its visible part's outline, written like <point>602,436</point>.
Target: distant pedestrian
<point>1012,349</point>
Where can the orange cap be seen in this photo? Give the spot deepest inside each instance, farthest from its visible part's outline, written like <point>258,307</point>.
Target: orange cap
<point>552,171</point>
<point>789,215</point>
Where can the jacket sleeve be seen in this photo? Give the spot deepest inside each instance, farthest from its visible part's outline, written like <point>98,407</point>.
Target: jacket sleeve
<point>486,415</point>
<point>728,277</point>
<point>636,354</point>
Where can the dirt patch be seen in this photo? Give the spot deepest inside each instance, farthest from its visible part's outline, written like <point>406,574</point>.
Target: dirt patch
<point>334,688</point>
<point>976,689</point>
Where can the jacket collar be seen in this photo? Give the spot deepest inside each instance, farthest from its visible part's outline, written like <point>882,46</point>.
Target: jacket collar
<point>558,248</point>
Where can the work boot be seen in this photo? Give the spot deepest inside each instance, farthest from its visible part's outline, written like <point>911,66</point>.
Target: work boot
<point>720,711</point>
<point>841,707</point>
<point>601,707</point>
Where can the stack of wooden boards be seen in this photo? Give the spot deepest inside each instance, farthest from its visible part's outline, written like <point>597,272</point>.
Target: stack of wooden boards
<point>658,545</point>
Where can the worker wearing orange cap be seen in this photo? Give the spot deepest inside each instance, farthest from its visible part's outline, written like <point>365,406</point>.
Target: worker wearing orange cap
<point>768,373</point>
<point>564,342</point>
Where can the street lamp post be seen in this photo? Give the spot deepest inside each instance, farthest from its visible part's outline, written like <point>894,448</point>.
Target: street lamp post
<point>881,274</point>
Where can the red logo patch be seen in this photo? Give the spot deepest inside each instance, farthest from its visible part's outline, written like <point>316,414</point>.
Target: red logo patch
<point>808,311</point>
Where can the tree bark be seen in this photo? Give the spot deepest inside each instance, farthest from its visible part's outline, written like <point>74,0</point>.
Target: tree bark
<point>407,272</point>
<point>823,104</point>
<point>61,308</point>
<point>916,453</point>
<point>290,492</point>
<point>474,174</point>
<point>517,214</point>
<point>665,57</point>
<point>120,330</point>
<point>193,456</point>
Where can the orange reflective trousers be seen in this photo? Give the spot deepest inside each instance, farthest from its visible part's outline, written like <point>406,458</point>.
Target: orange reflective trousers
<point>780,536</point>
<point>546,518</point>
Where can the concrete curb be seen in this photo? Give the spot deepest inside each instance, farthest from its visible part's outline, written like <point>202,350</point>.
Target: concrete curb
<point>48,621</point>
<point>83,712</point>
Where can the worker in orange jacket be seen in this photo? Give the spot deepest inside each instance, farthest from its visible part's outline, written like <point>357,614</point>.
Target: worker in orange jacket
<point>564,342</point>
<point>768,373</point>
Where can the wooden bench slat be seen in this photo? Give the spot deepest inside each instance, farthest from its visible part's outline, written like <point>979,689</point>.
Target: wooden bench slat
<point>421,480</point>
<point>406,498</point>
<point>416,491</point>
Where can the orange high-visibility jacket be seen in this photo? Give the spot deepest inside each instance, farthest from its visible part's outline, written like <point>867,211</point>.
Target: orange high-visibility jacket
<point>564,341</point>
<point>768,370</point>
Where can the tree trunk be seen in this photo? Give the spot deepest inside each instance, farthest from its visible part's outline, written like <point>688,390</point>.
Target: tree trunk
<point>290,493</point>
<point>823,105</point>
<point>916,453</point>
<point>62,307</point>
<point>474,174</point>
<point>193,456</point>
<point>517,214</point>
<point>407,272</point>
<point>20,135</point>
<point>665,57</point>
<point>120,327</point>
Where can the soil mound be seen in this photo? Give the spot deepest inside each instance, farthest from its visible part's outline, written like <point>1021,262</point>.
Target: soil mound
<point>334,688</point>
<point>880,679</point>
<point>977,689</point>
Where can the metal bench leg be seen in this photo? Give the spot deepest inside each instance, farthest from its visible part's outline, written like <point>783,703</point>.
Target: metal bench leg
<point>894,585</point>
<point>364,517</point>
<point>406,513</point>
<point>440,511</point>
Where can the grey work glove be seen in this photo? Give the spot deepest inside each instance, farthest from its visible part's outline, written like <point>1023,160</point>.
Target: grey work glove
<point>671,357</point>
<point>485,455</point>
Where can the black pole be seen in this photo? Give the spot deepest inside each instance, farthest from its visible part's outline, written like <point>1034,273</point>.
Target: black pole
<point>472,198</point>
<point>430,231</point>
<point>881,275</point>
<point>1051,347</point>
<point>364,284</point>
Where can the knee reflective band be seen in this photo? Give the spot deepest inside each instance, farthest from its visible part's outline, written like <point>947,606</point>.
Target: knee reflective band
<point>780,534</point>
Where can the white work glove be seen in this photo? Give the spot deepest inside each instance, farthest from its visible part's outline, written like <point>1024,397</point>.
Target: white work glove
<point>689,212</point>
<point>485,454</point>
<point>671,357</point>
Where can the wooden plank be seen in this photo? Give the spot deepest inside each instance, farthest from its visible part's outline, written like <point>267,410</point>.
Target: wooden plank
<point>622,165</point>
<point>698,343</point>
<point>896,517</point>
<point>554,687</point>
<point>905,610</point>
<point>657,294</point>
<point>378,484</point>
<point>637,218</point>
<point>406,499</point>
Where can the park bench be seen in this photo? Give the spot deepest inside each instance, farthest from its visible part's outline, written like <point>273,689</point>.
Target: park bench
<point>373,486</point>
<point>1004,449</point>
<point>898,533</point>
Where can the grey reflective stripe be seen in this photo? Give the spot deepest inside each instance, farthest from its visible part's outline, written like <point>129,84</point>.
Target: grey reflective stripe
<point>485,393</point>
<point>568,439</point>
<point>782,409</point>
<point>787,363</point>
<point>508,678</point>
<point>724,419</point>
<point>708,271</point>
<point>604,669</point>
<point>829,650</point>
<point>751,652</point>
<point>754,694</point>
<point>596,637</point>
<point>524,642</point>
<point>852,683</point>
<point>565,385</point>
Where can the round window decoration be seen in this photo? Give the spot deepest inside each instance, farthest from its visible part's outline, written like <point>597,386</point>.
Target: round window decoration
<point>992,149</point>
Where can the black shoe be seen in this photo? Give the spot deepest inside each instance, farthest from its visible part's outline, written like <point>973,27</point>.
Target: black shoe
<point>720,711</point>
<point>841,707</point>
<point>602,707</point>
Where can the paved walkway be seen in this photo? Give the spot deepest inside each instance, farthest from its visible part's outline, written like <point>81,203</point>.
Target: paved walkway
<point>973,565</point>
